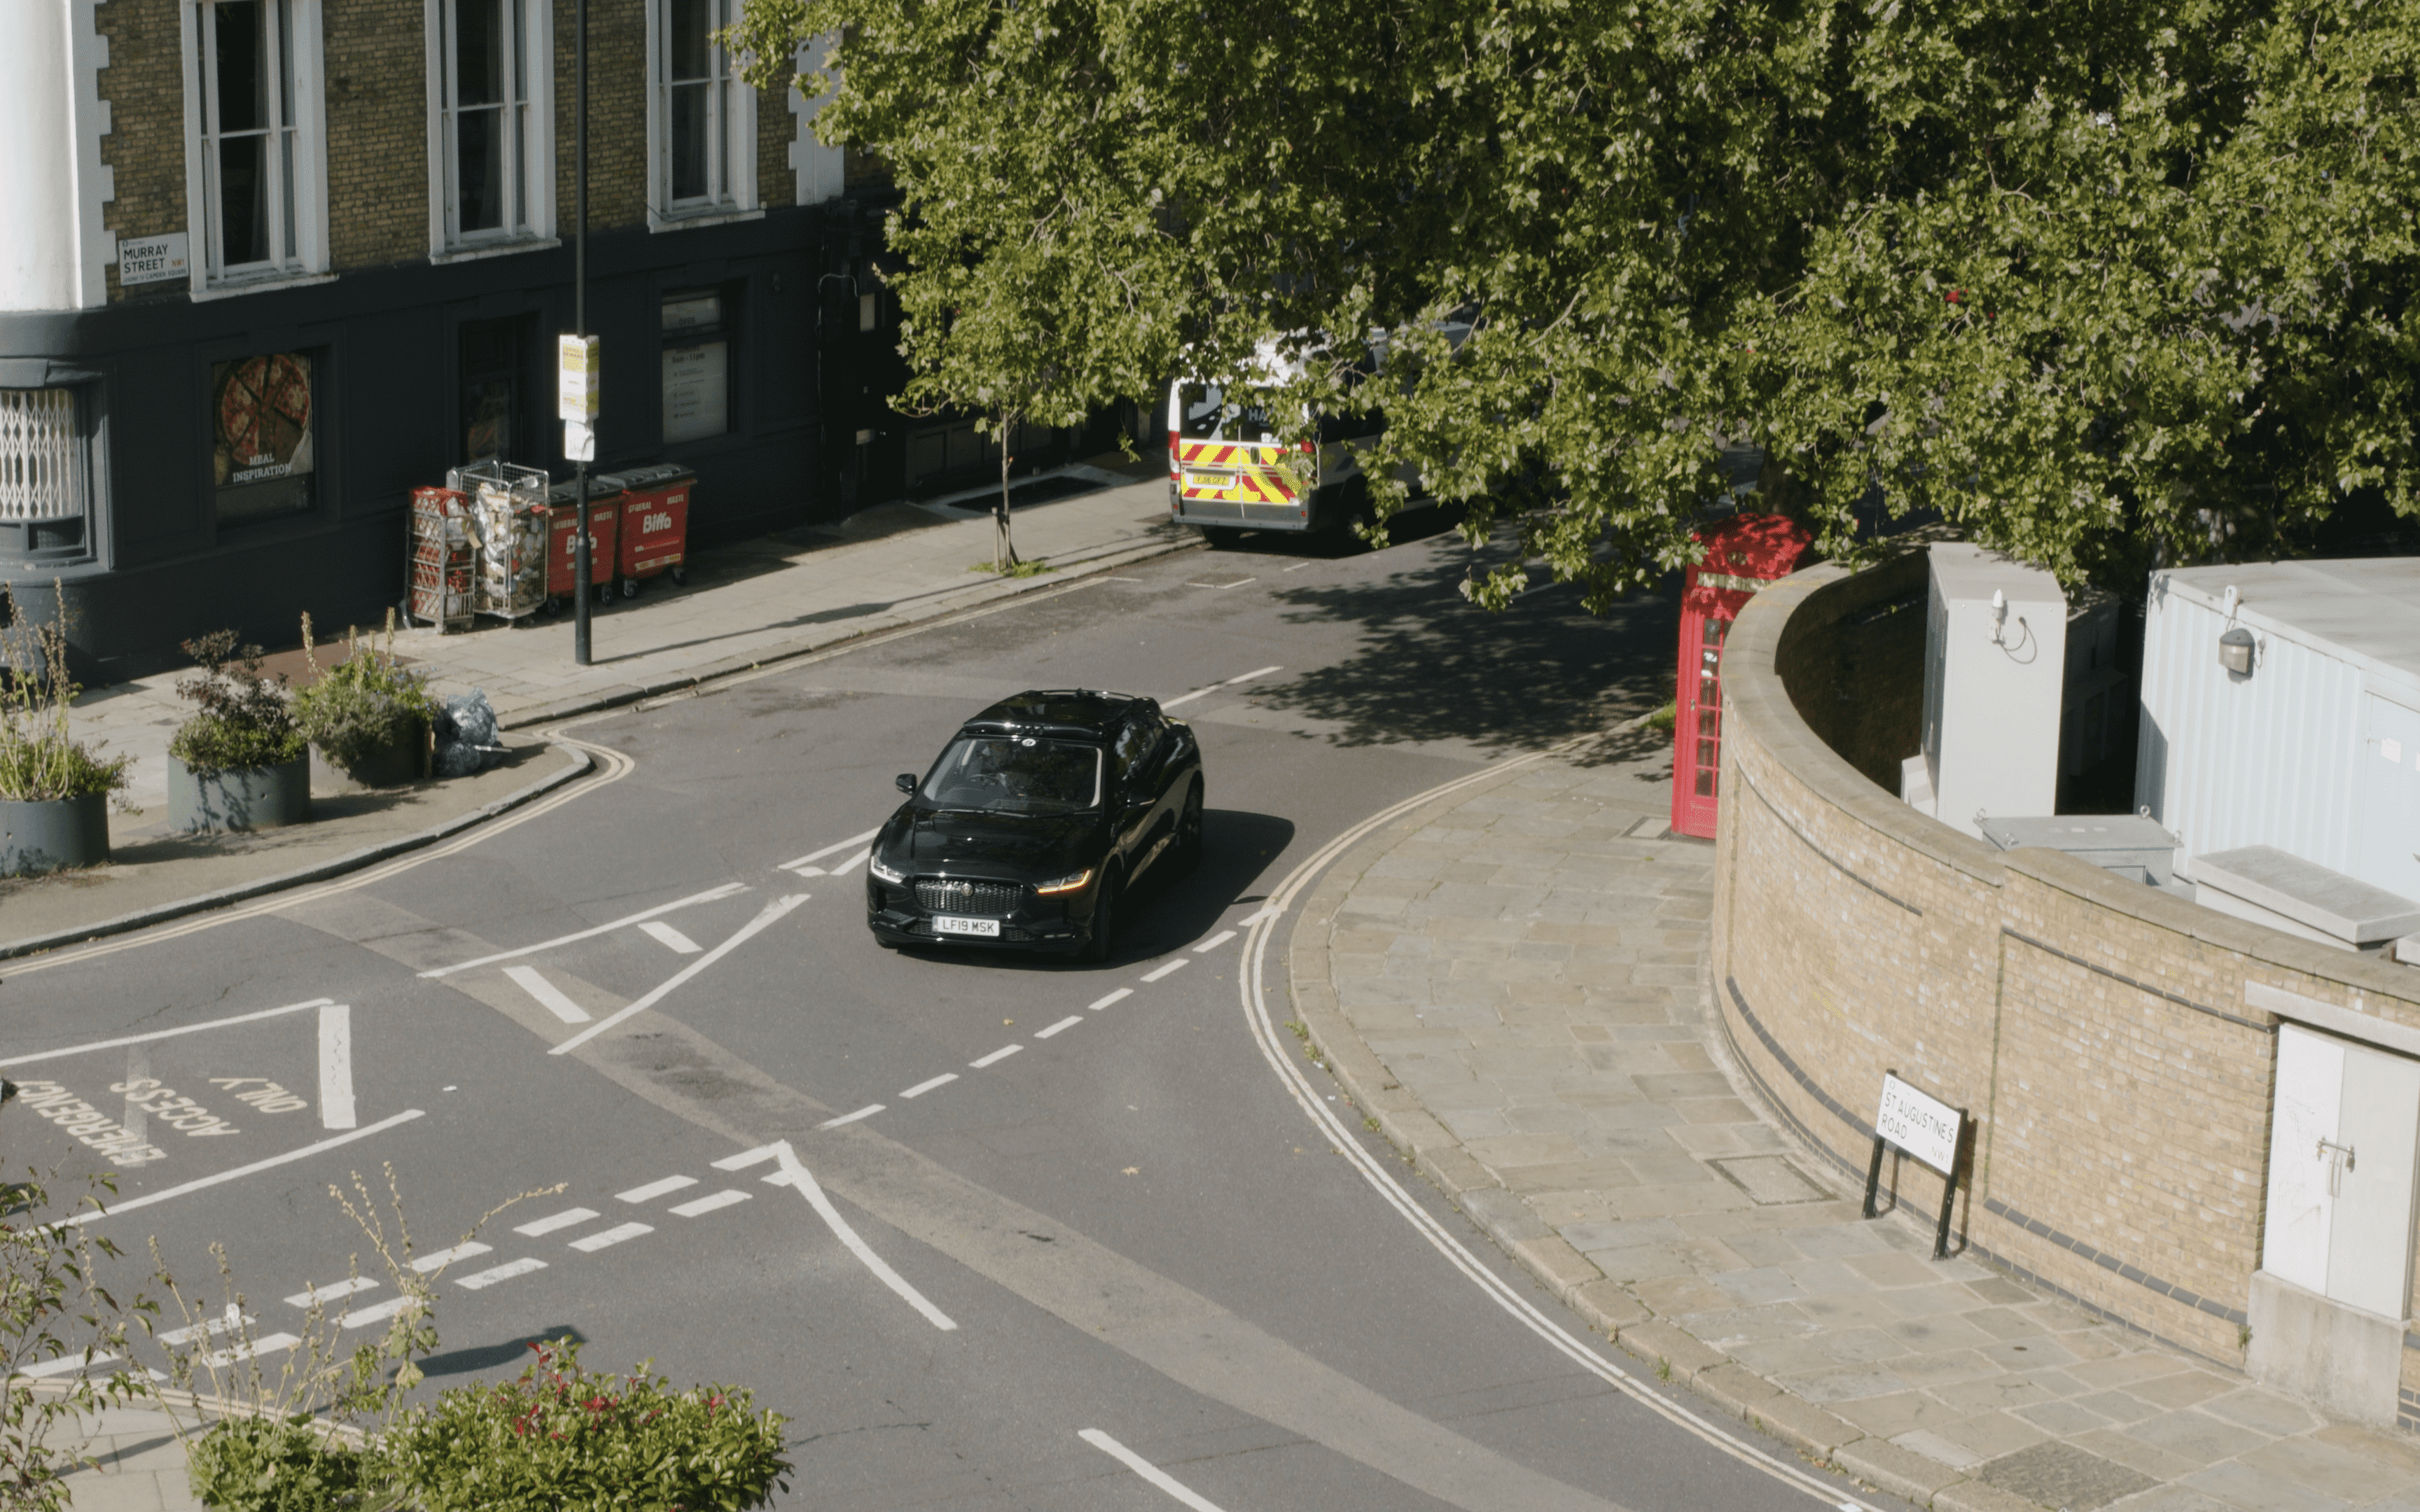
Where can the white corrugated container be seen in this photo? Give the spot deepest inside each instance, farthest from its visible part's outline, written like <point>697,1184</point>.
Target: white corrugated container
<point>2316,750</point>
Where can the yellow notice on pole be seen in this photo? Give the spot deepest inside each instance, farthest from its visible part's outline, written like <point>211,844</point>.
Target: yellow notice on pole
<point>579,375</point>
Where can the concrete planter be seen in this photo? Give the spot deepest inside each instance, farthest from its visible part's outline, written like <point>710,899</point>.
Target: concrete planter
<point>53,833</point>
<point>402,760</point>
<point>254,797</point>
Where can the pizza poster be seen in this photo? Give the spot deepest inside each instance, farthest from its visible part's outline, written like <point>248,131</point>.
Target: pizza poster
<point>260,419</point>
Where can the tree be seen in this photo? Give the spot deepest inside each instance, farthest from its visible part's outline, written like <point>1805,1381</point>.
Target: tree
<point>1036,267</point>
<point>2109,285</point>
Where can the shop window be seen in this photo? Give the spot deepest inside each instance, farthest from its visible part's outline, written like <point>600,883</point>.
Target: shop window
<point>254,156</point>
<point>701,117</point>
<point>42,472</point>
<point>263,420</point>
<point>491,147</point>
<point>697,327</point>
<point>494,367</point>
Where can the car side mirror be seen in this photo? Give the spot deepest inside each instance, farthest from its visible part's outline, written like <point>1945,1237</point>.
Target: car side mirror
<point>906,782</point>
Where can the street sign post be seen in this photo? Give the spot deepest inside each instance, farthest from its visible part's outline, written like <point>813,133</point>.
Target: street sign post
<point>1923,1128</point>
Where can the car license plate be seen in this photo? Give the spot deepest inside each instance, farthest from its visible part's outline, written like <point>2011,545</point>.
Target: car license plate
<point>945,924</point>
<point>1214,482</point>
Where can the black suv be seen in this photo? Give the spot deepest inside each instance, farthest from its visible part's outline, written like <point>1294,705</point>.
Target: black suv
<point>1039,816</point>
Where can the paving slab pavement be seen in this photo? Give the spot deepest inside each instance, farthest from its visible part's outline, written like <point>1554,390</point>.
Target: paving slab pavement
<point>1514,982</point>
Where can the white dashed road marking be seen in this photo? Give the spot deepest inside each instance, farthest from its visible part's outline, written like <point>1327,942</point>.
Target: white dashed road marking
<point>1119,995</point>
<point>341,1289</point>
<point>656,1189</point>
<point>671,937</point>
<point>707,1204</point>
<point>501,1273</point>
<point>375,1312</point>
<point>1067,1023</point>
<point>548,996</point>
<point>1169,970</point>
<point>1214,941</point>
<point>996,1057</point>
<point>561,1220</point>
<point>921,1088</point>
<point>866,1112</point>
<point>446,1256</point>
<point>610,1238</point>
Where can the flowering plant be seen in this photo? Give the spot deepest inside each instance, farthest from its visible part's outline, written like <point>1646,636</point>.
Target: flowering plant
<point>559,1436</point>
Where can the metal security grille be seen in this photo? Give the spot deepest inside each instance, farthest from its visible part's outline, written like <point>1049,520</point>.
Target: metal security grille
<point>968,897</point>
<point>41,472</point>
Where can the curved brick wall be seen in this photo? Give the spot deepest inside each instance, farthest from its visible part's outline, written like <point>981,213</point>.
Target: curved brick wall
<point>2114,1043</point>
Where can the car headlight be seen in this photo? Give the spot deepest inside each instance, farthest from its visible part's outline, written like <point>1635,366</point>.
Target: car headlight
<point>882,872</point>
<point>1072,882</point>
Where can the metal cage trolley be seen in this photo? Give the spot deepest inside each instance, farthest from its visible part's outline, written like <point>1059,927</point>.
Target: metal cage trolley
<point>510,518</point>
<point>441,561</point>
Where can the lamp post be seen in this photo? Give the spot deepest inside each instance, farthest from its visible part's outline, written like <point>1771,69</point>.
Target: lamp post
<point>580,566</point>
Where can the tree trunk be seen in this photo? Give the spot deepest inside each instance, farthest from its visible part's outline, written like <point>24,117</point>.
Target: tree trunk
<point>1003,550</point>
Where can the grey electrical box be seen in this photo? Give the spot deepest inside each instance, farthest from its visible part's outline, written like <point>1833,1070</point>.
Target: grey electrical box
<point>2129,845</point>
<point>2274,887</point>
<point>1995,680</point>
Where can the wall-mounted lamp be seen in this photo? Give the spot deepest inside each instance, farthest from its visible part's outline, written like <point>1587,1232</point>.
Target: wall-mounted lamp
<point>2235,652</point>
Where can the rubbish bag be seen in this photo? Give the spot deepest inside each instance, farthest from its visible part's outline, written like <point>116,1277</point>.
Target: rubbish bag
<point>466,736</point>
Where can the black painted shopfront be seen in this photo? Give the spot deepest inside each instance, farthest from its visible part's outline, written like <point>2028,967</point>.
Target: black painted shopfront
<point>246,458</point>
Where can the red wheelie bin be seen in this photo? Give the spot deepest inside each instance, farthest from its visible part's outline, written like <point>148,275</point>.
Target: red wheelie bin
<point>563,536</point>
<point>655,523</point>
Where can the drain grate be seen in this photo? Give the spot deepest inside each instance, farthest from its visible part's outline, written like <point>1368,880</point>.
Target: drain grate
<point>1769,1181</point>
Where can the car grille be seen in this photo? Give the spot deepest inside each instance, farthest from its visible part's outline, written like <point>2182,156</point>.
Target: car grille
<point>968,897</point>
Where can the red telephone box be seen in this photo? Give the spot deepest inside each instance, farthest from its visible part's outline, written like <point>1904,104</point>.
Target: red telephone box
<point>1742,554</point>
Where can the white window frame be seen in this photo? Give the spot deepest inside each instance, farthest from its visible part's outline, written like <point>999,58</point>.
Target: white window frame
<point>737,114</point>
<point>447,243</point>
<point>306,260</point>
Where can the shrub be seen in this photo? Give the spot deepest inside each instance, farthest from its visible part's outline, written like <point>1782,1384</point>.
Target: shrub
<point>560,1436</point>
<point>273,1464</point>
<point>242,718</point>
<point>50,1289</point>
<point>38,759</point>
<point>363,703</point>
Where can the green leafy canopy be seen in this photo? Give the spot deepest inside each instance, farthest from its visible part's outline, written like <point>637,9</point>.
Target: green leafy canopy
<point>2110,286</point>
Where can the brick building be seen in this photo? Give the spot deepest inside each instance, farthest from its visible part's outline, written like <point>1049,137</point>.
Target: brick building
<point>274,263</point>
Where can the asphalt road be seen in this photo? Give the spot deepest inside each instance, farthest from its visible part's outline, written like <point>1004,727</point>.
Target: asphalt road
<point>1093,1225</point>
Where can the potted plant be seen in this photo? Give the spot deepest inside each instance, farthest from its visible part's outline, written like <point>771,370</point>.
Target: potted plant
<point>240,761</point>
<point>369,715</point>
<point>53,789</point>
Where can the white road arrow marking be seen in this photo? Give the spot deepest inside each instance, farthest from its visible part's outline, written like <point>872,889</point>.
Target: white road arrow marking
<point>794,1174</point>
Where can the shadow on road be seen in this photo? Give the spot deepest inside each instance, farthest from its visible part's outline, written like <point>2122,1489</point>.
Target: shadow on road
<point>1165,912</point>
<point>497,1356</point>
<point>1432,666</point>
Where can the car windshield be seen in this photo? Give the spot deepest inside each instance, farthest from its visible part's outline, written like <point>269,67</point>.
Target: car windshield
<point>1014,774</point>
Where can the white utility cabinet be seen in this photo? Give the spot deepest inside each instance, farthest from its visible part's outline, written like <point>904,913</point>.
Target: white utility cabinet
<point>2281,707</point>
<point>1995,681</point>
